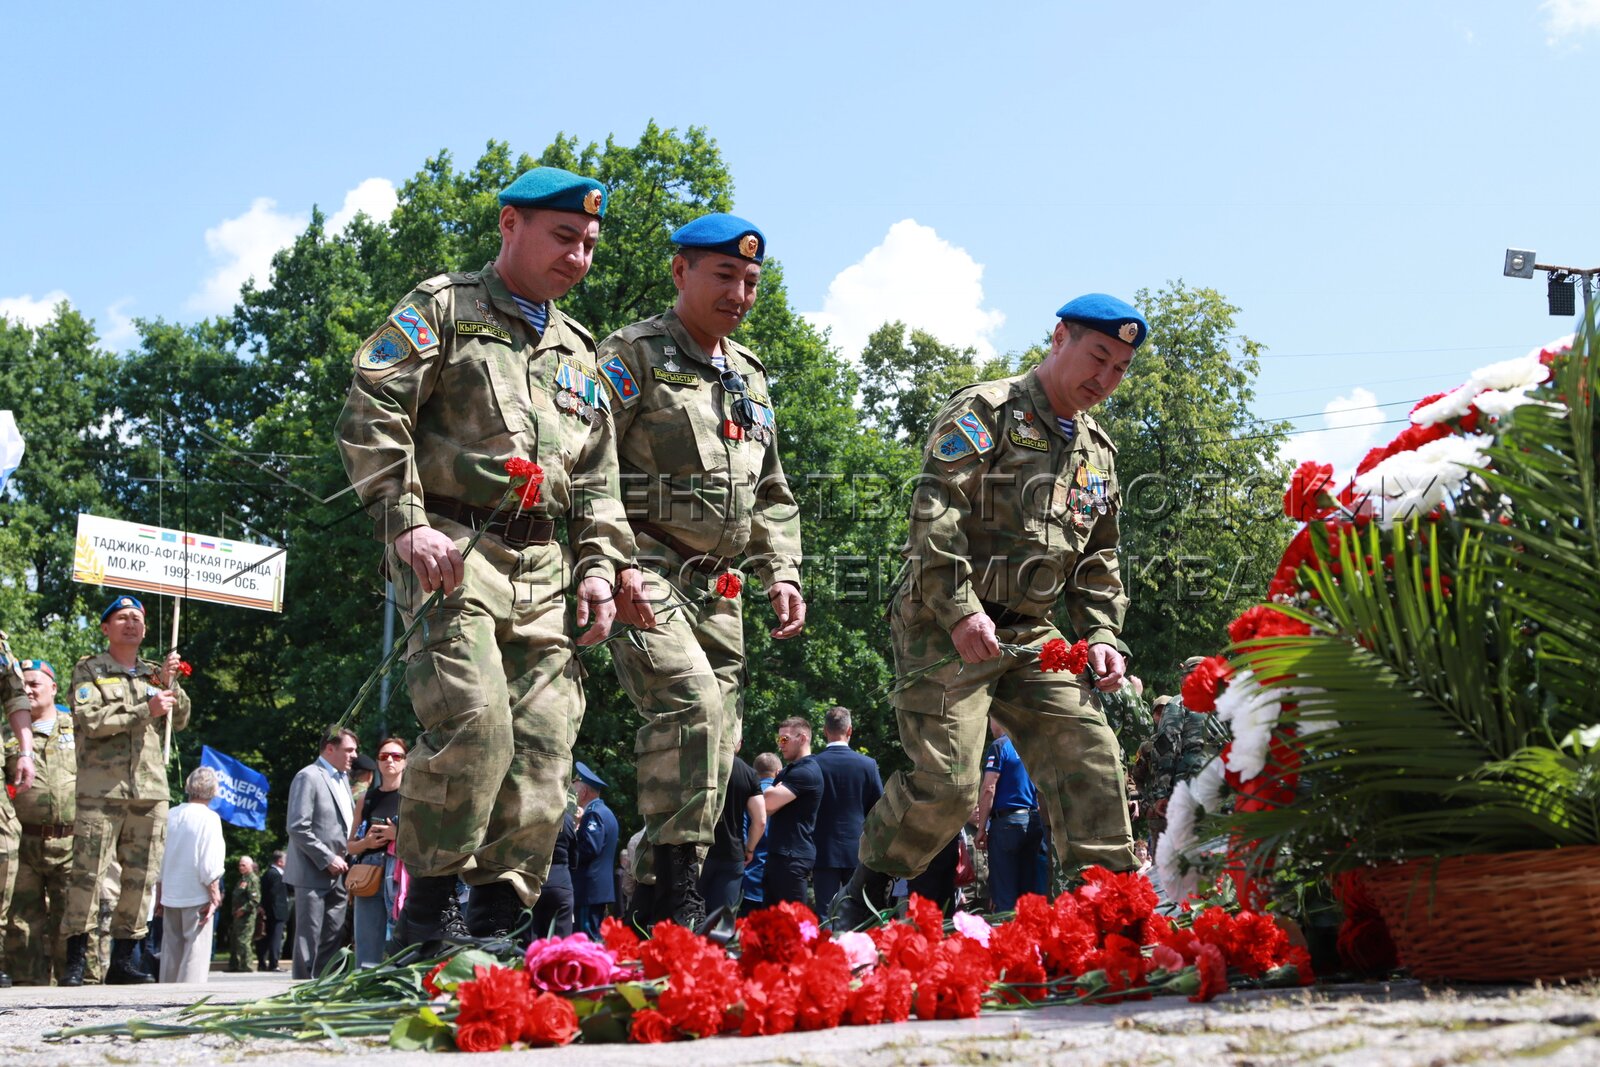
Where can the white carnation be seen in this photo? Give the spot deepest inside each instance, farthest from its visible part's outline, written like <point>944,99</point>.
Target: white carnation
<point>1179,880</point>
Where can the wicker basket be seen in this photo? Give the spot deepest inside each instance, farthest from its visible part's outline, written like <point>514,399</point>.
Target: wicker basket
<point>1517,916</point>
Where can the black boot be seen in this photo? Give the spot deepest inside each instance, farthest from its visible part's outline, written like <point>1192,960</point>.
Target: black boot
<point>494,910</point>
<point>678,886</point>
<point>856,904</point>
<point>123,971</point>
<point>431,922</point>
<point>640,912</point>
<point>77,959</point>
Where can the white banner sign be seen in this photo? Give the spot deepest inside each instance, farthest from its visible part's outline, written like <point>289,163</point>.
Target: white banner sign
<point>127,555</point>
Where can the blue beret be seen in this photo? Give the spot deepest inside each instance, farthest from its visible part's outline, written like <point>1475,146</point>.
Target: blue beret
<point>120,603</point>
<point>587,776</point>
<point>1107,314</point>
<point>38,665</point>
<point>728,234</point>
<point>556,190</point>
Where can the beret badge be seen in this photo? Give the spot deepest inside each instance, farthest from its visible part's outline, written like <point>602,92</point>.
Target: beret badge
<point>1129,331</point>
<point>749,245</point>
<point>591,202</point>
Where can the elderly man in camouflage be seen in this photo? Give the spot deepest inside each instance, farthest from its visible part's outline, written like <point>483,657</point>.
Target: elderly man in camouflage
<point>697,446</point>
<point>46,808</point>
<point>1016,508</point>
<point>472,370</point>
<point>14,697</point>
<point>118,703</point>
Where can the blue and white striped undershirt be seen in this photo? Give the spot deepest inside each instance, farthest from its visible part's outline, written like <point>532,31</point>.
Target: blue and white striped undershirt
<point>538,315</point>
<point>1068,427</point>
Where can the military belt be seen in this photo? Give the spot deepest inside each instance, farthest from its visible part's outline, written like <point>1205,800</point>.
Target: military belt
<point>700,561</point>
<point>49,831</point>
<point>517,532</point>
<point>1004,616</point>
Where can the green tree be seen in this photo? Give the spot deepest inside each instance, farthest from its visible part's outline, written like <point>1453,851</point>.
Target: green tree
<point>1202,482</point>
<point>905,380</point>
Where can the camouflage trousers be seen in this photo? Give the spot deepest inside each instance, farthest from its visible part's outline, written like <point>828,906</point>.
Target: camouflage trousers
<point>1059,730</point>
<point>686,678</point>
<point>134,833</point>
<point>497,687</point>
<point>241,942</point>
<point>9,842</point>
<point>35,946</point>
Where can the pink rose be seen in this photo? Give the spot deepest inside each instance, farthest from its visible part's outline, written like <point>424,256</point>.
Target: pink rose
<point>561,964</point>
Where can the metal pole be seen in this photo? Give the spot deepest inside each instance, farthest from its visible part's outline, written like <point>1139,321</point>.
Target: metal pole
<point>1588,287</point>
<point>388,642</point>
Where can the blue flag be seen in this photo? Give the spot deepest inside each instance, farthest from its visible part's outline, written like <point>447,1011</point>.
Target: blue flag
<point>241,792</point>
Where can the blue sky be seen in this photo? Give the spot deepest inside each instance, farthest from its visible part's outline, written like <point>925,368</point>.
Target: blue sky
<point>1348,176</point>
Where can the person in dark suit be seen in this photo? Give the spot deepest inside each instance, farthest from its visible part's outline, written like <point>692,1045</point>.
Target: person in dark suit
<point>595,886</point>
<point>320,811</point>
<point>553,914</point>
<point>274,912</point>
<point>851,784</point>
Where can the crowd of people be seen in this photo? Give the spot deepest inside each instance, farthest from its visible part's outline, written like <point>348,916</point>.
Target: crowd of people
<point>479,417</point>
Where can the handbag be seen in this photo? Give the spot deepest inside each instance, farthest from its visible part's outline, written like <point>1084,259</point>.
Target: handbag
<point>363,879</point>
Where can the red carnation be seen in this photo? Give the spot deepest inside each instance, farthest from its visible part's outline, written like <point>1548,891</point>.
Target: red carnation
<point>650,1027</point>
<point>1310,484</point>
<point>551,1021</point>
<point>619,938</point>
<point>1201,685</point>
<point>773,935</point>
<point>729,584</point>
<point>928,916</point>
<point>902,945</point>
<point>429,986</point>
<point>866,1003</point>
<point>824,988</point>
<point>1053,655</point>
<point>517,467</point>
<point>185,668</point>
<point>1213,971</point>
<point>1264,621</point>
<point>770,1000</point>
<point>1117,901</point>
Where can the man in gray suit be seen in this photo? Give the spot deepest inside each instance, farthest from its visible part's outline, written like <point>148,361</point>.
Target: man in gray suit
<point>320,812</point>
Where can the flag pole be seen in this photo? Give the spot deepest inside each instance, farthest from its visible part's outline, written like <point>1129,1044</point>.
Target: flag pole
<point>177,612</point>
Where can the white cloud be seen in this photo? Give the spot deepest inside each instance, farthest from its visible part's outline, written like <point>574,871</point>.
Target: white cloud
<point>1350,428</point>
<point>29,312</point>
<point>118,330</point>
<point>915,276</point>
<point>243,245</point>
<point>375,196</point>
<point>1568,18</point>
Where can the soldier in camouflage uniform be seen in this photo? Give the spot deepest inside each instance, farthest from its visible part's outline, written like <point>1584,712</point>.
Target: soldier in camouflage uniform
<point>1016,508</point>
<point>46,811</point>
<point>243,908</point>
<point>472,370</point>
<point>697,447</point>
<point>118,702</point>
<point>14,697</point>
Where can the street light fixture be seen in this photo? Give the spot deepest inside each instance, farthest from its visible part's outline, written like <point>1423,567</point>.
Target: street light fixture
<point>1559,293</point>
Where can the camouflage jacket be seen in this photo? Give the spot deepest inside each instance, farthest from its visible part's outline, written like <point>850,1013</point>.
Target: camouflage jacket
<point>1176,752</point>
<point>119,744</point>
<point>1010,512</point>
<point>53,799</point>
<point>453,385</point>
<point>13,697</point>
<point>246,896</point>
<point>717,491</point>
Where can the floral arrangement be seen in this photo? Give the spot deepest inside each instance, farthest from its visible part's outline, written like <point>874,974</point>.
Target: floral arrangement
<point>785,972</point>
<point>1418,682</point>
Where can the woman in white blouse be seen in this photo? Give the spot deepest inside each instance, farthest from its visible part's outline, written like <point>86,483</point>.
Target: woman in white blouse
<point>191,886</point>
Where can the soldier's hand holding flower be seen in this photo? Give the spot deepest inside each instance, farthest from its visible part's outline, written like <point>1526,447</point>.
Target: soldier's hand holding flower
<point>597,609</point>
<point>974,638</point>
<point>161,702</point>
<point>170,669</point>
<point>790,608</point>
<point>24,779</point>
<point>633,604</point>
<point>1108,666</point>
<point>434,557</point>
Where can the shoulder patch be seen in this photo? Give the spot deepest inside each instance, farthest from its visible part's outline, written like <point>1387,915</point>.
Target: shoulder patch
<point>85,691</point>
<point>384,349</point>
<point>953,446</point>
<point>414,328</point>
<point>622,383</point>
<point>976,432</point>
